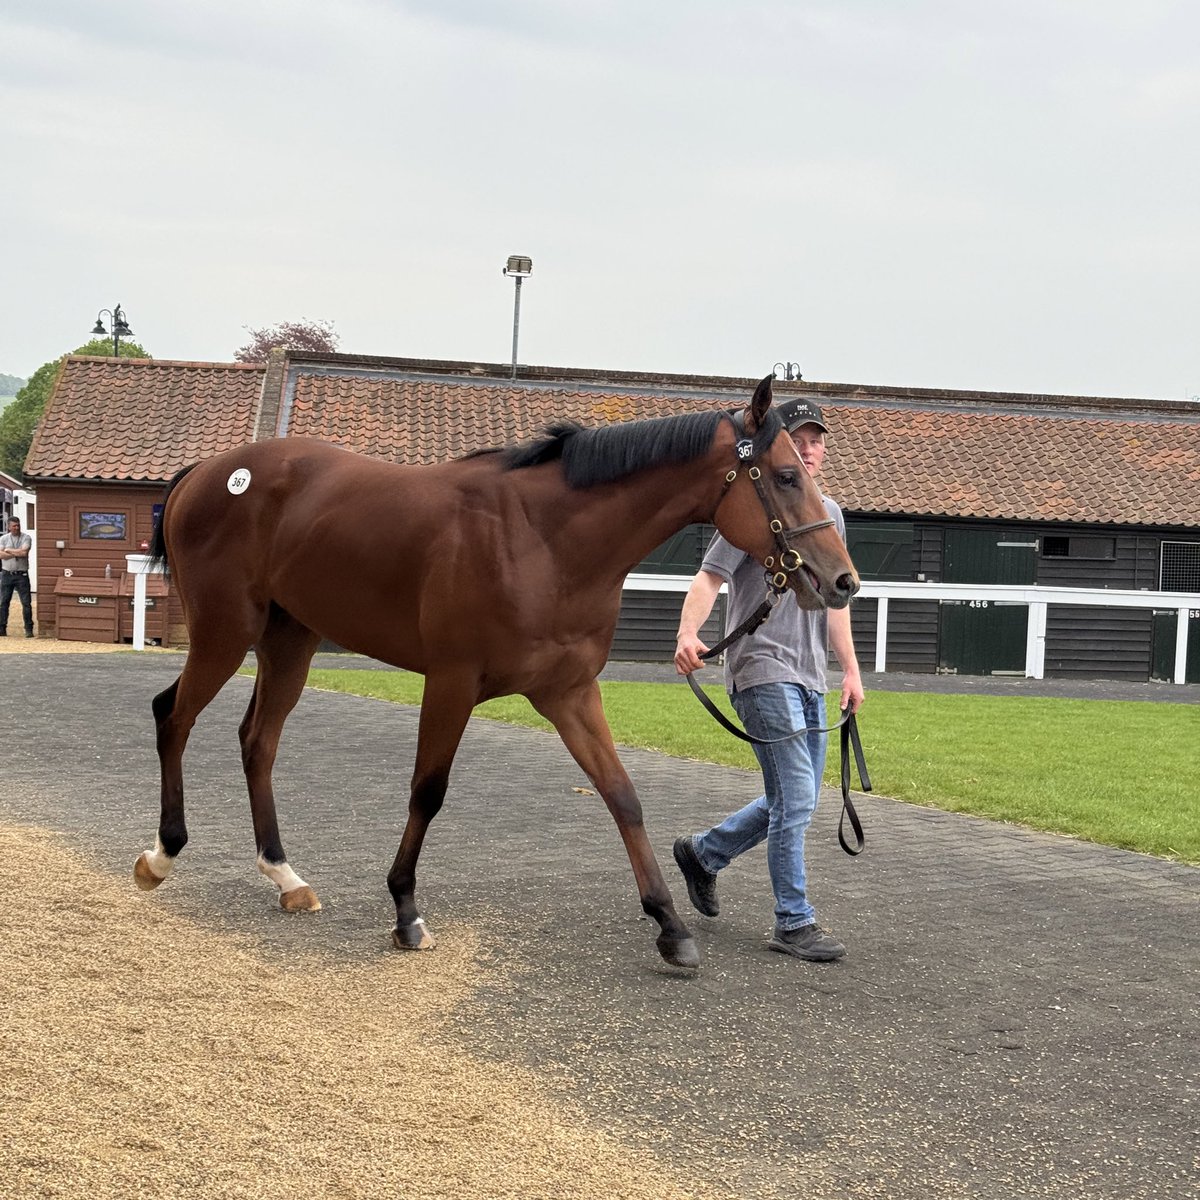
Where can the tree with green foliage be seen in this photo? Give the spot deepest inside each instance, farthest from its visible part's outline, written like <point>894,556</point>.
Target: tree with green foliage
<point>311,336</point>
<point>19,419</point>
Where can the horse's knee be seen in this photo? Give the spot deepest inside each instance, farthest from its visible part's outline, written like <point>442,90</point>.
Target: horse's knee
<point>428,796</point>
<point>258,755</point>
<point>625,807</point>
<point>163,705</point>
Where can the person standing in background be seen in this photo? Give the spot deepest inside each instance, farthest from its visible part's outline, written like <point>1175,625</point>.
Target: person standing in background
<point>14,574</point>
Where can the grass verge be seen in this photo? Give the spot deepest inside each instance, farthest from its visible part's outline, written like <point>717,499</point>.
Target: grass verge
<point>1120,773</point>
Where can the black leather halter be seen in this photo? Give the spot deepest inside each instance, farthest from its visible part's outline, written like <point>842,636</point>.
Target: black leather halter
<point>789,558</point>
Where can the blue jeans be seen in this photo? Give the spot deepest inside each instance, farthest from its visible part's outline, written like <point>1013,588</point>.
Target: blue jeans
<point>792,773</point>
<point>15,581</point>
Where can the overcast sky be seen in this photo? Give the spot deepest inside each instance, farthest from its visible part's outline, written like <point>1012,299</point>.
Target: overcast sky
<point>934,193</point>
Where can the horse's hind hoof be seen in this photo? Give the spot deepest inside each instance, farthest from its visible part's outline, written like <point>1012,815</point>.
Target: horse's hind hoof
<point>301,899</point>
<point>413,937</point>
<point>142,875</point>
<point>679,952</point>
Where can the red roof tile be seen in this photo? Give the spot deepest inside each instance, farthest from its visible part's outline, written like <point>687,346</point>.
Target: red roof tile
<point>955,462</point>
<point>426,421</point>
<point>963,463</point>
<point>142,419</point>
<point>901,451</point>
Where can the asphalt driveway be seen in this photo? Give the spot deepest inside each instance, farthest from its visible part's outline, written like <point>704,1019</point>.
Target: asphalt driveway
<point>1016,1017</point>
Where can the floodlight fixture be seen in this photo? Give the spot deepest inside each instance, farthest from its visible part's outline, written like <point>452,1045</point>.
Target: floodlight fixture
<point>520,267</point>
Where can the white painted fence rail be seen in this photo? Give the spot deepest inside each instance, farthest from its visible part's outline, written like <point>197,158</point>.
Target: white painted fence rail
<point>1038,600</point>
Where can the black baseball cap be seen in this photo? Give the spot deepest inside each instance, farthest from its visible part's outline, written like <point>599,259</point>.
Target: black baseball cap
<point>800,411</point>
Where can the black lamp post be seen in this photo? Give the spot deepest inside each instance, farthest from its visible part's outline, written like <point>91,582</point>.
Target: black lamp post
<point>791,370</point>
<point>120,328</point>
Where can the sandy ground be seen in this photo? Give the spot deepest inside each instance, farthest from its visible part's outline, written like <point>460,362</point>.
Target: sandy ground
<point>145,1056</point>
<point>17,643</point>
<point>20,644</point>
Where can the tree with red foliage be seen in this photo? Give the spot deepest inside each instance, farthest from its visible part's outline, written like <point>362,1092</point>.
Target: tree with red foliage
<point>313,336</point>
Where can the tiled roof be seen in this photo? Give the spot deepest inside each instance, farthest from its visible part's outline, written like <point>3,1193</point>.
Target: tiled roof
<point>142,419</point>
<point>940,454</point>
<point>427,421</point>
<point>953,461</point>
<point>965,463</point>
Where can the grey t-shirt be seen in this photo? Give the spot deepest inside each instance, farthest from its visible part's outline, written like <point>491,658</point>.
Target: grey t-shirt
<point>792,645</point>
<point>20,541</point>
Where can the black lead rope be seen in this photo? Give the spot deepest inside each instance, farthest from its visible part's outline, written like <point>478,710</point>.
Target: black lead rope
<point>848,725</point>
<point>850,740</point>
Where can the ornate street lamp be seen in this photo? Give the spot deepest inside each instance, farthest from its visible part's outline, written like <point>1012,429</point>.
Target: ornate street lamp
<point>120,328</point>
<point>519,267</point>
<point>791,370</point>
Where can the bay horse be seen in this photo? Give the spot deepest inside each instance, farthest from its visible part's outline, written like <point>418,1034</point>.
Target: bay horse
<point>495,574</point>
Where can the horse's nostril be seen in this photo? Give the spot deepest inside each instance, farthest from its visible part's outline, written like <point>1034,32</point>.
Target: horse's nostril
<point>847,584</point>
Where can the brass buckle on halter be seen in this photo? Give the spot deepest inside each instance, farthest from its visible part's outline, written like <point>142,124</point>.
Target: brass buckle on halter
<point>754,473</point>
<point>776,525</point>
<point>779,580</point>
<point>790,554</point>
<point>731,477</point>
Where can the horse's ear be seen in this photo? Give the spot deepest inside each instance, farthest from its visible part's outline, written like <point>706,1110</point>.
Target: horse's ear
<point>759,405</point>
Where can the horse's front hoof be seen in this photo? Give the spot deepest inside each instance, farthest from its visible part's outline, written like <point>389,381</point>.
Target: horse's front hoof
<point>679,952</point>
<point>415,936</point>
<point>301,899</point>
<point>142,875</point>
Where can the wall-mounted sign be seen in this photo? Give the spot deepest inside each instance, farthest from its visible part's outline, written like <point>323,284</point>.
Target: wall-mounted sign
<point>87,599</point>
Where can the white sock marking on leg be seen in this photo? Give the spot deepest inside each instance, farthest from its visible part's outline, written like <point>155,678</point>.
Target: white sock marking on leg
<point>281,875</point>
<point>159,861</point>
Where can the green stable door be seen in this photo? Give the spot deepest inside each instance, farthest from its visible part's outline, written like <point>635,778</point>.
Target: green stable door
<point>984,637</point>
<point>1166,623</point>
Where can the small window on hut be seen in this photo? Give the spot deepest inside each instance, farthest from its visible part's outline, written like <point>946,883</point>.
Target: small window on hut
<point>1104,548</point>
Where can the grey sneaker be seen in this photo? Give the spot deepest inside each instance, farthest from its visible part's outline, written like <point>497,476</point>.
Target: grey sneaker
<point>701,884</point>
<point>809,942</point>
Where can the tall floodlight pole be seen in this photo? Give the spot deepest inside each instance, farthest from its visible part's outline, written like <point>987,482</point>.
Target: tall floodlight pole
<point>120,328</point>
<point>519,267</point>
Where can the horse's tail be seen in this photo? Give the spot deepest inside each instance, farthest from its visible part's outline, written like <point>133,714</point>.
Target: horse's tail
<point>158,543</point>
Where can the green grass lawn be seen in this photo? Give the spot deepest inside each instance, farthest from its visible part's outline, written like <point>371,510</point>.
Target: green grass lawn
<point>1122,773</point>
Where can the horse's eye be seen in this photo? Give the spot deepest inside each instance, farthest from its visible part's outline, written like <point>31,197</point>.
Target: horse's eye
<point>786,478</point>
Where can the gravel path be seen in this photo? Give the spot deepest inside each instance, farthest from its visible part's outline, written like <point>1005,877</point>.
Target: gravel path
<point>1014,1020</point>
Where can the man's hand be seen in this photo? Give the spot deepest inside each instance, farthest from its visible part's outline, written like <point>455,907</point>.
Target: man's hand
<point>852,691</point>
<point>688,648</point>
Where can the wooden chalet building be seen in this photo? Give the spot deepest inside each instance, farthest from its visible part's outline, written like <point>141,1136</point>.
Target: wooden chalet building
<point>939,488</point>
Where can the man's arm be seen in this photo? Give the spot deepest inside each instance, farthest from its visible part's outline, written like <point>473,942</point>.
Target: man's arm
<point>842,642</point>
<point>697,605</point>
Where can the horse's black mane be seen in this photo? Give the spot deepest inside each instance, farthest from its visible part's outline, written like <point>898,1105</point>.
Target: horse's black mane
<point>603,455</point>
